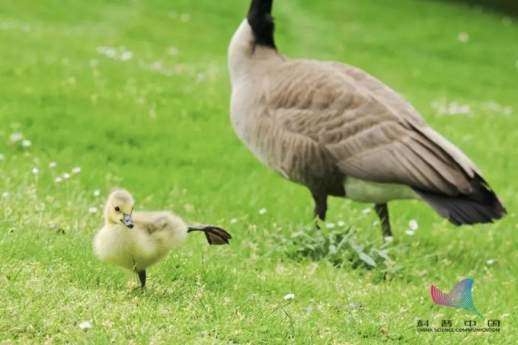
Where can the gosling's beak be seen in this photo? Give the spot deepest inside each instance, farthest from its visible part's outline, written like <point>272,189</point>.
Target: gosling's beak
<point>126,220</point>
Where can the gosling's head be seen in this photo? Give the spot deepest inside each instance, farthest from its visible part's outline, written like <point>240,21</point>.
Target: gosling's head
<point>119,208</point>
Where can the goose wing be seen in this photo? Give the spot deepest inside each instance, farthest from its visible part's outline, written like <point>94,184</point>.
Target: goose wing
<point>371,131</point>
<point>152,221</point>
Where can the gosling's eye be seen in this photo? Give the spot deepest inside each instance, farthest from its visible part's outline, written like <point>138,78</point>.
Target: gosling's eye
<point>117,209</point>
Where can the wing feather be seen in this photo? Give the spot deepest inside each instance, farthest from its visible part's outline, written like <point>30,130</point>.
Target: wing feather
<point>371,132</point>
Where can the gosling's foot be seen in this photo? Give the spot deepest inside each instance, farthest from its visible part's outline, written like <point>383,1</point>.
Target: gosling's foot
<point>214,234</point>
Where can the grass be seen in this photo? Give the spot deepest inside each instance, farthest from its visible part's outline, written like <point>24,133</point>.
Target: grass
<point>158,124</point>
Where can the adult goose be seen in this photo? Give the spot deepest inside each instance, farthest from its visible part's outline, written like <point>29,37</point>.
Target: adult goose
<point>340,132</point>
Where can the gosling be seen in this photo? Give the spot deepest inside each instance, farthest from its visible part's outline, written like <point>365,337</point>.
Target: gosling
<point>137,240</point>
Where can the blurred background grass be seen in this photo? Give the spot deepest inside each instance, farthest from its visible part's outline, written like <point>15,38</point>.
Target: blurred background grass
<point>509,7</point>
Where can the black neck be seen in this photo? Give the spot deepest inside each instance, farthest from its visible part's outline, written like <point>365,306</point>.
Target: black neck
<point>261,20</point>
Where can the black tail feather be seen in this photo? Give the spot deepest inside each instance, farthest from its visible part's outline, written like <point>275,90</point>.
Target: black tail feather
<point>214,234</point>
<point>481,206</point>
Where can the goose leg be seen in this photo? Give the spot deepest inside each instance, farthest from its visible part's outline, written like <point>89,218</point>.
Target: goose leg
<point>142,278</point>
<point>383,214</point>
<point>320,205</point>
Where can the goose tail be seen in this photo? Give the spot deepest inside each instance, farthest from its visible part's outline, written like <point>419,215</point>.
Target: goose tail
<point>481,206</point>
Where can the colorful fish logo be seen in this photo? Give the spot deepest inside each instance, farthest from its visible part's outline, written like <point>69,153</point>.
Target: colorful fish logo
<point>458,297</point>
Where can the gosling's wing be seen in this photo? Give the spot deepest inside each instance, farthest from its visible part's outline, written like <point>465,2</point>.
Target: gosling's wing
<point>151,221</point>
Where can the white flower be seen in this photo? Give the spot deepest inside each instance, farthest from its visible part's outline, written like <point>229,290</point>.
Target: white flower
<point>366,210</point>
<point>26,143</point>
<point>58,179</point>
<point>444,107</point>
<point>494,107</point>
<point>85,325</point>
<point>410,232</point>
<point>463,37</point>
<point>120,54</point>
<point>172,51</point>
<point>412,225</point>
<point>97,192</point>
<point>233,221</point>
<point>52,165</point>
<point>35,171</point>
<point>5,194</point>
<point>340,223</point>
<point>107,51</point>
<point>389,239</point>
<point>490,262</point>
<point>76,170</point>
<point>66,176</point>
<point>289,296</point>
<point>92,210</point>
<point>126,55</point>
<point>16,137</point>
<point>330,225</point>
<point>263,211</point>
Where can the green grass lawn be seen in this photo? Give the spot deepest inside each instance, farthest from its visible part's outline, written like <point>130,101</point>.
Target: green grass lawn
<point>136,94</point>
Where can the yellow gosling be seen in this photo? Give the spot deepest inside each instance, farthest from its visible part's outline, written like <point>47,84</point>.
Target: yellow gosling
<point>137,240</point>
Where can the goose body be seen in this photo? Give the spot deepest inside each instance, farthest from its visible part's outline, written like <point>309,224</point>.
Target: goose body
<point>137,240</point>
<point>341,132</point>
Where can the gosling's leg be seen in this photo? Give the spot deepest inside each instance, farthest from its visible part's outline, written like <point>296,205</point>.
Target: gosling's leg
<point>383,214</point>
<point>142,278</point>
